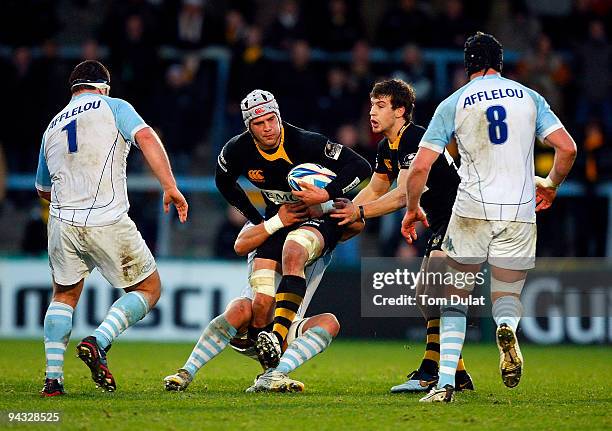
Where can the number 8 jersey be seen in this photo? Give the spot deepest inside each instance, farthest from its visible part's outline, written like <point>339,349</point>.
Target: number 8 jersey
<point>495,122</point>
<point>83,156</point>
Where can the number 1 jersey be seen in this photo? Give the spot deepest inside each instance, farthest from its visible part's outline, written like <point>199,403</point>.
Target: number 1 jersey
<point>82,159</point>
<point>495,122</point>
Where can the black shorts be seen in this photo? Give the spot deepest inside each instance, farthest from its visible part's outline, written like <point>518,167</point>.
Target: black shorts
<point>328,227</point>
<point>273,247</point>
<point>436,238</point>
<point>329,230</point>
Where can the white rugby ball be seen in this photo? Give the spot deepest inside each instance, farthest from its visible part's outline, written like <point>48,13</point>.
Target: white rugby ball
<point>310,173</point>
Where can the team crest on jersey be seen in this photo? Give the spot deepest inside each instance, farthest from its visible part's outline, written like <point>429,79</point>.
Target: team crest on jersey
<point>388,164</point>
<point>332,150</point>
<point>256,175</point>
<point>408,158</point>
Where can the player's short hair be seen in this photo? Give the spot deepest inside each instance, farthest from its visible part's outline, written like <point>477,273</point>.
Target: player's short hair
<point>482,52</point>
<point>88,72</point>
<point>401,93</point>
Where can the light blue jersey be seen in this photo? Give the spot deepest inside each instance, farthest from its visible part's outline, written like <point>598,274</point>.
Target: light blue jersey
<point>495,122</point>
<point>82,159</point>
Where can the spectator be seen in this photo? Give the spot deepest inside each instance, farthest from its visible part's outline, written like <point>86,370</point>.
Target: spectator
<point>414,71</point>
<point>134,63</point>
<point>453,26</point>
<point>90,50</point>
<point>196,25</point>
<point>287,27</point>
<point>339,104</point>
<point>296,86</point>
<point>403,23</point>
<point>506,17</point>
<point>227,233</point>
<point>594,60</point>
<point>236,28</point>
<point>361,76</point>
<point>545,72</point>
<point>23,136</point>
<point>50,70</point>
<point>338,29</point>
<point>176,109</point>
<point>249,67</point>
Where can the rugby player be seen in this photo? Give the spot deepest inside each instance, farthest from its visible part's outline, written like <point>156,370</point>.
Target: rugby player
<point>392,104</point>
<point>495,122</point>
<point>82,172</point>
<point>232,326</point>
<point>264,154</point>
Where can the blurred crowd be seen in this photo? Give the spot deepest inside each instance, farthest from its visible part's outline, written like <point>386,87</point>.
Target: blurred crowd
<point>316,56</point>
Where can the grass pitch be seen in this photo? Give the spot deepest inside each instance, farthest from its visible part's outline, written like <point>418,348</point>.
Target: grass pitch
<point>347,387</point>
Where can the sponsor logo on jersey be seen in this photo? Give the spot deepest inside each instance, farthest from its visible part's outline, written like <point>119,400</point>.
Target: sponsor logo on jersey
<point>332,150</point>
<point>408,159</point>
<point>75,111</point>
<point>498,93</point>
<point>222,163</point>
<point>388,164</point>
<point>256,175</point>
<point>279,197</point>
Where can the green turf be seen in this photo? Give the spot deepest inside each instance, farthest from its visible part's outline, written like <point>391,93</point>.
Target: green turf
<point>347,387</point>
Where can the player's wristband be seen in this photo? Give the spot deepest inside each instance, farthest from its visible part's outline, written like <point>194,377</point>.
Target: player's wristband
<point>327,207</point>
<point>362,213</point>
<point>273,224</point>
<point>546,182</point>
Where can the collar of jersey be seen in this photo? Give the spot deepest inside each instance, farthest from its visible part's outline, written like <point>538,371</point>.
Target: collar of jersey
<point>78,96</point>
<point>280,152</point>
<point>492,76</point>
<point>395,144</point>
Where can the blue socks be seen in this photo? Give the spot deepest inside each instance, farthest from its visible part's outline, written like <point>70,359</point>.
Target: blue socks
<point>452,336</point>
<point>125,312</point>
<point>57,328</point>
<point>303,348</point>
<point>213,340</point>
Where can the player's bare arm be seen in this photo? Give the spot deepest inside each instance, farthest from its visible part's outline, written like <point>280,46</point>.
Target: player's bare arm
<point>382,203</point>
<point>251,238</point>
<point>155,154</point>
<point>415,183</point>
<point>565,154</point>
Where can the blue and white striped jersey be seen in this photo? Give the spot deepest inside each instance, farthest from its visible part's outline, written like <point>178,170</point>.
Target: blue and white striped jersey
<point>495,121</point>
<point>83,156</point>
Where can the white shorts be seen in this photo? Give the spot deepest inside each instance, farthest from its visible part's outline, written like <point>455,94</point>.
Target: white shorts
<point>505,244</point>
<point>117,250</point>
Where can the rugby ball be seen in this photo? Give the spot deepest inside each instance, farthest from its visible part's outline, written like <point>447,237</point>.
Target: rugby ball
<point>310,173</point>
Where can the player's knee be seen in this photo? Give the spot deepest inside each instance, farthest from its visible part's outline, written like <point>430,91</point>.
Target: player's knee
<point>150,288</point>
<point>238,312</point>
<point>301,247</point>
<point>501,288</point>
<point>330,323</point>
